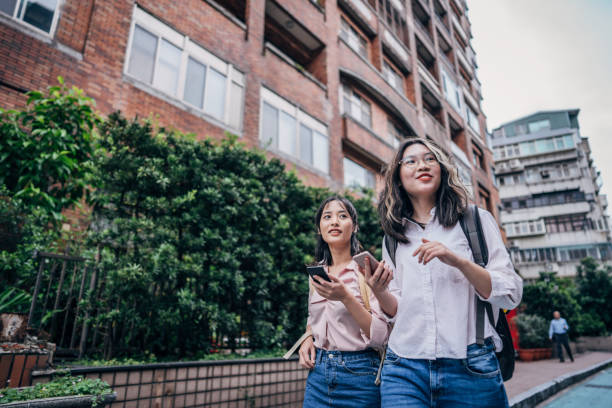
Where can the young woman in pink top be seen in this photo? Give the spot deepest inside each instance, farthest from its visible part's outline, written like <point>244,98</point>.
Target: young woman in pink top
<point>340,352</point>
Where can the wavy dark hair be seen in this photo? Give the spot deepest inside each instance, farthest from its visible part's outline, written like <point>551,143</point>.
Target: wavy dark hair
<point>323,255</point>
<point>394,204</point>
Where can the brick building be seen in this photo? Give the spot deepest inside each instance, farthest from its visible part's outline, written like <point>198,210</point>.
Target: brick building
<point>328,87</point>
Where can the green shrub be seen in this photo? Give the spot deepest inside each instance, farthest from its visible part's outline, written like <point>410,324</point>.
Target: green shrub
<point>61,386</point>
<point>202,241</point>
<point>533,331</point>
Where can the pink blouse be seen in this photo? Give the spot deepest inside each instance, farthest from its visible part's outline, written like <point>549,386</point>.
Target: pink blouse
<point>334,328</point>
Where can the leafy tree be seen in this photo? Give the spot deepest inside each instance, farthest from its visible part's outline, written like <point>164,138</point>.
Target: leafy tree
<point>45,149</point>
<point>201,241</point>
<point>550,293</point>
<point>594,282</point>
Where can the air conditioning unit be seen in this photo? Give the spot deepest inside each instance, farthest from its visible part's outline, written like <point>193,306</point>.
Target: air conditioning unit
<point>514,163</point>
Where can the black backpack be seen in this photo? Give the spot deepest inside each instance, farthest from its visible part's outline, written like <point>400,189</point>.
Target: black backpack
<point>471,226</point>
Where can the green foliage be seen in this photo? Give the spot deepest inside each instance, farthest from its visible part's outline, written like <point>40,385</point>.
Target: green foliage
<point>594,282</point>
<point>45,149</point>
<point>201,241</point>
<point>583,302</point>
<point>28,227</point>
<point>533,331</point>
<point>14,300</point>
<point>61,386</point>
<point>550,293</point>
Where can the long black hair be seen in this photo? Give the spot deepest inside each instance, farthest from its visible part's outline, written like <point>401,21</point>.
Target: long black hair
<point>322,253</point>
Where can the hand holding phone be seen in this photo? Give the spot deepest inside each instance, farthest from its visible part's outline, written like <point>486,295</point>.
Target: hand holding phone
<point>317,271</point>
<point>360,259</point>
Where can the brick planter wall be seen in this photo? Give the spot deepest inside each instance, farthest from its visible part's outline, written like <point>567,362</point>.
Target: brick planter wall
<point>16,367</point>
<point>232,383</point>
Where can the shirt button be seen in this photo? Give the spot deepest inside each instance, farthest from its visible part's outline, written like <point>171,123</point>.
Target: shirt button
<point>330,355</point>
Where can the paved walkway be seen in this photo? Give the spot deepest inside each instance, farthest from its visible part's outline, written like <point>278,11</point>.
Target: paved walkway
<point>595,392</point>
<point>531,374</point>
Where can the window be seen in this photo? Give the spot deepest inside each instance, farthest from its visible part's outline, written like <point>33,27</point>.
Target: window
<point>392,12</point>
<point>539,125</point>
<point>394,134</point>
<point>355,40</point>
<point>181,69</point>
<point>357,176</point>
<point>472,119</point>
<point>286,128</point>
<point>478,157</point>
<point>356,106</point>
<point>452,92</point>
<point>40,14</point>
<point>393,77</point>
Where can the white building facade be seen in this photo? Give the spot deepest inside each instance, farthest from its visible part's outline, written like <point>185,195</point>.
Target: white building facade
<point>551,210</point>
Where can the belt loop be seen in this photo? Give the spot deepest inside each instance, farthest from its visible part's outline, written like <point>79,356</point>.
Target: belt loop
<point>319,356</point>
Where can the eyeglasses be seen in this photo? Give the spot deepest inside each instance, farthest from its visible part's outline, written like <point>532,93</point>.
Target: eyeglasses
<point>413,161</point>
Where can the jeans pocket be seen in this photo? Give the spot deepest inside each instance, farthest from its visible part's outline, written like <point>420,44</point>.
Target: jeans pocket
<point>391,358</point>
<point>364,366</point>
<point>483,365</point>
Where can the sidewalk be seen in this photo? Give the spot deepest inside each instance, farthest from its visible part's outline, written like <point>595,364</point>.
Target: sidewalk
<point>528,375</point>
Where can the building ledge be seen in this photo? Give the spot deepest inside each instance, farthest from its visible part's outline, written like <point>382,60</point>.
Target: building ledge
<point>298,67</point>
<point>227,14</point>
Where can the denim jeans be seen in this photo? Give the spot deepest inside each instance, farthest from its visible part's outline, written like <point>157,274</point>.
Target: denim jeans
<point>343,379</point>
<point>475,381</point>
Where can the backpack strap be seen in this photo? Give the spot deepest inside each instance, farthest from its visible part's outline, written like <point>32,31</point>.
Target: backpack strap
<point>391,245</point>
<point>472,228</point>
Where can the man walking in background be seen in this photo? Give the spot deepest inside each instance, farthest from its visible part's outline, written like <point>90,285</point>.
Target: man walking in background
<point>558,333</point>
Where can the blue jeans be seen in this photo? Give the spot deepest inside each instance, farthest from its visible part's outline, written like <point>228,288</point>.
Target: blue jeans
<point>343,379</point>
<point>475,381</point>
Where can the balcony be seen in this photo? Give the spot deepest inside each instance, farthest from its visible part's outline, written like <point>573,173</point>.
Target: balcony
<point>516,215</point>
<point>362,13</point>
<point>603,201</point>
<point>525,229</point>
<point>364,140</point>
<point>463,62</point>
<point>459,30</point>
<point>286,37</point>
<point>434,128</point>
<point>399,51</point>
<point>432,83</point>
<point>424,35</point>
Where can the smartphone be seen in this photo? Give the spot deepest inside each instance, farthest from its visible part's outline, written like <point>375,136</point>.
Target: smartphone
<point>360,259</point>
<point>318,271</point>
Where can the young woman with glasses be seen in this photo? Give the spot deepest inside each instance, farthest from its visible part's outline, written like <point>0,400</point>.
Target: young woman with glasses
<point>432,356</point>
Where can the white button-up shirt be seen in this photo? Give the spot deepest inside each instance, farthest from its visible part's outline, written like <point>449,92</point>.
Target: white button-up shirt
<point>436,315</point>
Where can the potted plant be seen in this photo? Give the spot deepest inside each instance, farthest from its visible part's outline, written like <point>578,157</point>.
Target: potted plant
<point>63,390</point>
<point>533,337</point>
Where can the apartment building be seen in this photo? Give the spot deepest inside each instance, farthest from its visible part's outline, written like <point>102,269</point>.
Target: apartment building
<point>552,210</point>
<point>328,87</point>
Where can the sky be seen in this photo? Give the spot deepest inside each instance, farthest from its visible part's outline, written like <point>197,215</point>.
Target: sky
<point>537,55</point>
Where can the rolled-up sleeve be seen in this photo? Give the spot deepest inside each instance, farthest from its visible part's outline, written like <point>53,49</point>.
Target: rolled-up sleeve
<point>506,284</point>
<point>379,327</point>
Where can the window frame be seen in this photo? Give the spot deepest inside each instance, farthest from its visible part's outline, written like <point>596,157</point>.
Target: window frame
<point>365,169</point>
<point>22,22</point>
<point>189,49</point>
<point>271,98</point>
